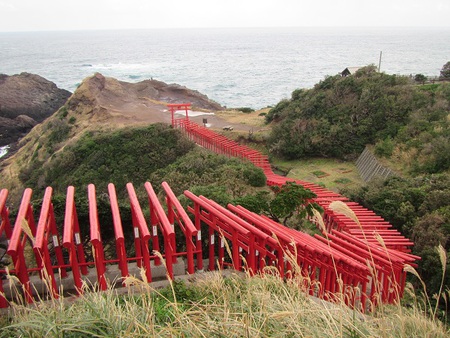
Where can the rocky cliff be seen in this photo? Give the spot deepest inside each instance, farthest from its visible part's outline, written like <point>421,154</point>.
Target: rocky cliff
<point>25,100</point>
<point>100,104</point>
<point>102,99</point>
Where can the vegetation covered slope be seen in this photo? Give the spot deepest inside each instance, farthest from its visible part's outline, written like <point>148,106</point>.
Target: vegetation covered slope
<point>341,115</point>
<point>422,145</point>
<point>407,125</point>
<point>121,156</point>
<point>99,105</point>
<point>155,153</point>
<point>138,154</point>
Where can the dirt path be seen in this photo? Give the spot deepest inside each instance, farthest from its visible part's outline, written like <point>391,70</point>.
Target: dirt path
<point>145,111</point>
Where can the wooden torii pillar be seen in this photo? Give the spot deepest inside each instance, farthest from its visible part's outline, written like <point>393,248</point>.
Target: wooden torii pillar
<point>173,107</point>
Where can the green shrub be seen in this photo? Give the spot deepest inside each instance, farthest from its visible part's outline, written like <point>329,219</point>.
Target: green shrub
<point>246,110</point>
<point>255,176</point>
<point>384,148</point>
<point>59,132</point>
<point>63,111</point>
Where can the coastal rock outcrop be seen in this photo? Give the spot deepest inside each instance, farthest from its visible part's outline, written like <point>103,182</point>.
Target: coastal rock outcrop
<point>100,104</point>
<point>25,100</point>
<point>105,100</point>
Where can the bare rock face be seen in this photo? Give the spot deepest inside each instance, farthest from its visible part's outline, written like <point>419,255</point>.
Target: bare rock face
<point>107,100</point>
<point>13,129</point>
<point>25,100</point>
<point>175,93</point>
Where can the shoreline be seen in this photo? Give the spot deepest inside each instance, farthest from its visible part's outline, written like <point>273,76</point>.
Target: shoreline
<point>4,150</point>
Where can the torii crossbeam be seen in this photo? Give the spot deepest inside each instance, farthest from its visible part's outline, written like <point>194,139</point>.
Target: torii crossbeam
<point>173,107</point>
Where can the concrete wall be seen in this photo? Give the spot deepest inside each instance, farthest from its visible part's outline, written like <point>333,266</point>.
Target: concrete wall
<point>369,167</point>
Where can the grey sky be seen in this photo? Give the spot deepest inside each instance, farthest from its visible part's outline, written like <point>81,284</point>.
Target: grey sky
<point>34,15</point>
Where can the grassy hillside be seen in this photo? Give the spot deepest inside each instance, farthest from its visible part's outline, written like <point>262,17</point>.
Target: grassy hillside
<point>125,155</point>
<point>155,153</point>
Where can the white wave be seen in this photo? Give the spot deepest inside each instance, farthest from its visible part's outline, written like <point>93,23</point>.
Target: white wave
<point>3,151</point>
<point>121,66</point>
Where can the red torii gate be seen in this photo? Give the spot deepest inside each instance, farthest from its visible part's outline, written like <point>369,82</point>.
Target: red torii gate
<point>173,107</point>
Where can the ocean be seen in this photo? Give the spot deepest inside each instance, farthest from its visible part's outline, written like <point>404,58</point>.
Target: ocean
<point>241,67</point>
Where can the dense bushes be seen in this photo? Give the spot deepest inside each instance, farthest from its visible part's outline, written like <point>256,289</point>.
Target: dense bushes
<point>420,208</point>
<point>341,115</point>
<point>218,175</point>
<point>127,155</point>
<point>407,123</point>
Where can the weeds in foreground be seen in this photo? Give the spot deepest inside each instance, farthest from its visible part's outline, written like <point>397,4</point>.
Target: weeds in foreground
<point>214,305</point>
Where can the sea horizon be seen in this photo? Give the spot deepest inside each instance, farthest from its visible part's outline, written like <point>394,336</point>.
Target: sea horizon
<point>387,27</point>
<point>236,67</point>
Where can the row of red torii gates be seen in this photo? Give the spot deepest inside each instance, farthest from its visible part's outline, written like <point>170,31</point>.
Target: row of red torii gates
<point>361,262</point>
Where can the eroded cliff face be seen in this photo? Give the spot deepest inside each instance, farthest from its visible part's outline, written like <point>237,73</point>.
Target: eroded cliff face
<point>25,100</point>
<point>108,99</point>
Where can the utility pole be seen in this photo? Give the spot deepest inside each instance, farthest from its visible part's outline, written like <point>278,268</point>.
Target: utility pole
<point>379,63</point>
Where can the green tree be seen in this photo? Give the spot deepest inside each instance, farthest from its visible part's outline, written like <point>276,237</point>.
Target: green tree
<point>445,71</point>
<point>420,78</point>
<point>287,201</point>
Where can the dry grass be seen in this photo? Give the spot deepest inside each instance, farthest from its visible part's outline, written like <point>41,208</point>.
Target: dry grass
<point>339,174</point>
<point>262,306</point>
<point>254,119</point>
<point>214,305</point>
